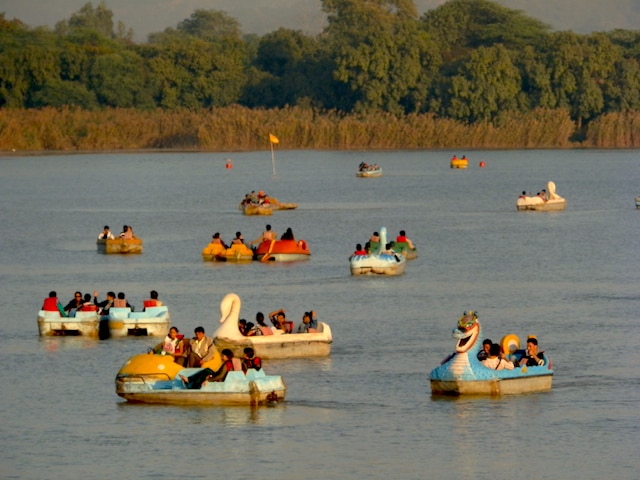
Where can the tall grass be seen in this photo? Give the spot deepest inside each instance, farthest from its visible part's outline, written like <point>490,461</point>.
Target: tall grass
<point>237,128</point>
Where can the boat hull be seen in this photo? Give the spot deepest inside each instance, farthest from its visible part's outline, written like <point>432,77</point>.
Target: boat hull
<point>154,322</point>
<point>235,253</point>
<point>550,206</point>
<point>283,251</point>
<point>496,386</point>
<point>257,209</point>
<point>369,173</point>
<point>459,163</point>
<point>119,245</point>
<point>84,324</point>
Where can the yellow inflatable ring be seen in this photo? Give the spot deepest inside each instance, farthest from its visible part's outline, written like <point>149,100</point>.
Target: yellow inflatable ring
<point>510,343</point>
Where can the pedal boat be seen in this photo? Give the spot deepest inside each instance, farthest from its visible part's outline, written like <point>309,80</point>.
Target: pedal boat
<point>463,374</point>
<point>376,262</point>
<point>153,322</point>
<point>551,203</point>
<point>83,324</point>
<point>214,252</point>
<point>155,379</point>
<point>119,245</point>
<point>282,251</point>
<point>369,173</point>
<point>277,345</point>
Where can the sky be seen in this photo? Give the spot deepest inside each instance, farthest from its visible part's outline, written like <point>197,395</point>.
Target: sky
<point>264,16</point>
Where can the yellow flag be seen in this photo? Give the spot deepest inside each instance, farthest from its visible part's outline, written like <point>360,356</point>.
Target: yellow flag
<point>273,138</point>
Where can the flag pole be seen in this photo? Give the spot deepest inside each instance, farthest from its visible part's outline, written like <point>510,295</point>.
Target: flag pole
<point>273,159</point>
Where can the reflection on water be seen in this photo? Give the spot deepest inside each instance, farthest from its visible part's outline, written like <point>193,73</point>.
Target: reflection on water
<point>366,411</point>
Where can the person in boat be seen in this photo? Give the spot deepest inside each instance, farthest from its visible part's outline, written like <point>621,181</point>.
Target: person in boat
<point>543,195</point>
<point>105,305</point>
<point>121,302</point>
<point>261,327</point>
<point>249,360</point>
<point>152,301</point>
<point>267,235</point>
<point>388,250</point>
<point>523,194</point>
<point>106,234</point>
<point>486,346</point>
<point>88,305</point>
<point>202,349</point>
<point>309,323</point>
<point>455,157</point>
<point>52,304</point>
<point>495,361</point>
<point>359,250</point>
<point>279,320</point>
<point>174,345</point>
<point>288,235</point>
<point>250,330</point>
<point>127,233</point>
<point>200,379</point>
<point>532,357</point>
<point>242,326</point>
<point>239,240</point>
<point>375,238</point>
<point>402,237</point>
<point>217,240</point>
<point>74,305</point>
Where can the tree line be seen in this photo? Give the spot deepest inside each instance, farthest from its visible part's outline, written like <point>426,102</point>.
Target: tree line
<point>467,61</point>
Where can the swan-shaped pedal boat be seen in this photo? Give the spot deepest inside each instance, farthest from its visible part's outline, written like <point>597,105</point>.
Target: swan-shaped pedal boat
<point>119,245</point>
<point>283,251</point>
<point>463,374</point>
<point>377,262</point>
<point>277,345</point>
<point>156,379</point>
<point>552,202</point>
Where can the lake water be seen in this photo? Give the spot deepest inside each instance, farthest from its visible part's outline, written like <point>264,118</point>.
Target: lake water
<point>570,277</point>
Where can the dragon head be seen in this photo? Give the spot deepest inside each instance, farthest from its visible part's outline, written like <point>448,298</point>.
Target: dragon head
<point>467,331</point>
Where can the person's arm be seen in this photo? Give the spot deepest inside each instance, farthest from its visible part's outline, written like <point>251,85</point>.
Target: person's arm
<point>211,350</point>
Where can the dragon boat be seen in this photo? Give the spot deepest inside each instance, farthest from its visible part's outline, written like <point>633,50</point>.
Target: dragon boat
<point>552,202</point>
<point>463,374</point>
<point>119,245</point>
<point>377,262</point>
<point>156,379</point>
<point>282,251</point>
<point>215,252</point>
<point>52,324</point>
<point>277,345</point>
<point>152,322</point>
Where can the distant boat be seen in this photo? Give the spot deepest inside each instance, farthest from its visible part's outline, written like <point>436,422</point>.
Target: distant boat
<point>368,171</point>
<point>459,162</point>
<point>637,202</point>
<point>119,245</point>
<point>550,202</point>
<point>378,262</point>
<point>283,251</point>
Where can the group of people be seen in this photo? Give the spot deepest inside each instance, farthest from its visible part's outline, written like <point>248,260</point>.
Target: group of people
<point>308,324</point>
<point>197,351</point>
<point>254,198</point>
<point>267,235</point>
<point>388,247</point>
<point>542,194</point>
<point>85,303</point>
<point>126,234</point>
<point>365,167</point>
<point>492,356</point>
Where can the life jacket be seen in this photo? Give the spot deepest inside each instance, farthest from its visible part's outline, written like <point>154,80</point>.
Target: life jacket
<point>88,308</point>
<point>401,238</point>
<point>120,303</point>
<point>50,304</point>
<point>150,303</point>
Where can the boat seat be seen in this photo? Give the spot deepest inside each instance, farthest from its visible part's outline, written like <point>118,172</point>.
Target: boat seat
<point>49,314</point>
<point>156,311</point>
<point>139,315</point>
<point>119,313</point>
<point>252,374</point>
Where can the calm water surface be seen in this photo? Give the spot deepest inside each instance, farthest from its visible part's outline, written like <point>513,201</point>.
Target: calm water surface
<point>366,411</point>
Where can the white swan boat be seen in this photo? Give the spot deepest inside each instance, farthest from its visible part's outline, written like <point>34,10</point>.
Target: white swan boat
<point>155,379</point>
<point>377,262</point>
<point>550,203</point>
<point>278,345</point>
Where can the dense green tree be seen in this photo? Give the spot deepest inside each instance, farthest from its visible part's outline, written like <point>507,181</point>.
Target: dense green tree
<point>209,24</point>
<point>119,80</point>
<point>59,93</point>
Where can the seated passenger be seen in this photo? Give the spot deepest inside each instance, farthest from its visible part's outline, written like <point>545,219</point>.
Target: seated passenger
<point>200,378</point>
<point>121,302</point>
<point>239,240</point>
<point>375,238</point>
<point>278,318</point>
<point>532,356</point>
<point>74,305</point>
<point>105,305</point>
<point>486,346</point>
<point>251,330</point>
<point>403,238</point>
<point>262,328</point>
<point>153,301</point>
<point>242,326</point>
<point>106,234</point>
<point>359,250</point>
<point>52,304</point>
<point>287,235</point>
<point>88,305</point>
<point>494,360</point>
<point>173,345</point>
<point>217,240</point>
<point>249,360</point>
<point>127,233</point>
<point>309,323</point>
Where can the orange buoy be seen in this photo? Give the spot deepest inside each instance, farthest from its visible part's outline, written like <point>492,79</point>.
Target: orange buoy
<point>482,164</point>
<point>229,164</point>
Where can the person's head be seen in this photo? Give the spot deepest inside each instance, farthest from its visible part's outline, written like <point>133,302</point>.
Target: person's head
<point>524,192</point>
<point>106,228</point>
<point>78,295</point>
<point>153,294</point>
<point>249,326</point>
<point>248,352</point>
<point>227,353</point>
<point>242,322</point>
<point>199,332</point>
<point>376,234</point>
<point>87,297</point>
<point>388,246</point>
<point>260,318</point>
<point>216,235</point>
<point>486,344</point>
<point>358,246</point>
<point>268,227</point>
<point>532,345</point>
<point>402,233</point>
<point>121,296</point>
<point>173,332</point>
<point>53,294</point>
<point>239,235</point>
<point>125,228</point>
<point>111,295</point>
<point>281,315</point>
<point>306,317</point>
<point>494,350</point>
